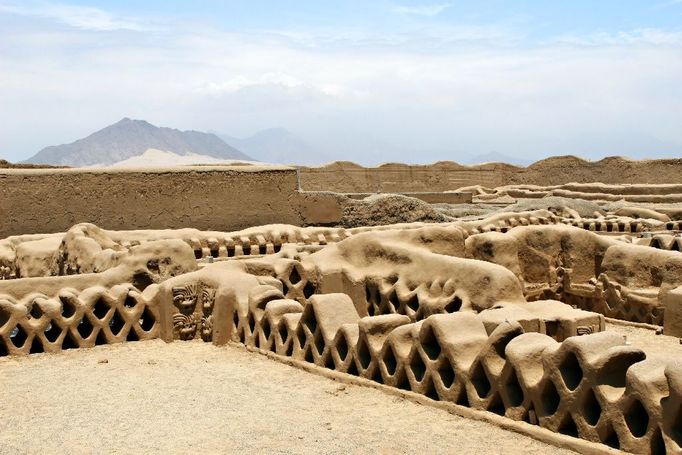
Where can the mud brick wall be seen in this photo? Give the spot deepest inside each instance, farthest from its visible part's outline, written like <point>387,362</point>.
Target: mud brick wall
<point>208,198</point>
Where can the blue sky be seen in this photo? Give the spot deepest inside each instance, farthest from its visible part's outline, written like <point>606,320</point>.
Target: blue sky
<point>372,81</point>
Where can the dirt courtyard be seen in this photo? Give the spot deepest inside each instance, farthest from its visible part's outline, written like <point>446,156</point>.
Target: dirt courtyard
<point>153,397</point>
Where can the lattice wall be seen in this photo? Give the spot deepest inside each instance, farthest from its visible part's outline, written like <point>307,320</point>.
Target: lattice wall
<point>75,319</point>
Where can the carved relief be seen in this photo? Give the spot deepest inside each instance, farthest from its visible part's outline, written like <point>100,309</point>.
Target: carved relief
<point>207,304</point>
<point>584,330</point>
<point>185,326</point>
<point>195,304</point>
<point>185,298</point>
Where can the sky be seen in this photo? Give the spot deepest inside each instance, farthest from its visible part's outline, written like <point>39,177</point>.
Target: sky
<point>371,81</point>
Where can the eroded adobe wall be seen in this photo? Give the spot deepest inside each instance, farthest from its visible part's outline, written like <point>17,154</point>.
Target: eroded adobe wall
<point>218,198</point>
<point>448,176</point>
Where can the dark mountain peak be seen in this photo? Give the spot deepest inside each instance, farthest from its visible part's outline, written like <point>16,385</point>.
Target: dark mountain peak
<point>130,137</point>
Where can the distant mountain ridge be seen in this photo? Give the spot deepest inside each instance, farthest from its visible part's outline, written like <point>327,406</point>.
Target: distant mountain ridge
<point>128,138</point>
<point>279,145</point>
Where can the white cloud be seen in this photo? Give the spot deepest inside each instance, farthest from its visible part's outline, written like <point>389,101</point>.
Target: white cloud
<point>80,17</point>
<point>640,36</point>
<point>241,81</point>
<point>448,88</point>
<point>421,10</point>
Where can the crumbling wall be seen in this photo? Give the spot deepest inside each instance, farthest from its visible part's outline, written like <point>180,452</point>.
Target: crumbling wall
<point>349,177</point>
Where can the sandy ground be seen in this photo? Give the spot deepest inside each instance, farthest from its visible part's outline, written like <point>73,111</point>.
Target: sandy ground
<point>152,397</point>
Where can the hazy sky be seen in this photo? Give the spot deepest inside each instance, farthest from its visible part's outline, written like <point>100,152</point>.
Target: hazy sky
<point>381,80</point>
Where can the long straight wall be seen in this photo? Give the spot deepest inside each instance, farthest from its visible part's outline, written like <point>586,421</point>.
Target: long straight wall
<point>203,197</point>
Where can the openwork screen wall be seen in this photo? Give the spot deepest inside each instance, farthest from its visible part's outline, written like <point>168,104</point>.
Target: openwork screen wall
<point>75,319</point>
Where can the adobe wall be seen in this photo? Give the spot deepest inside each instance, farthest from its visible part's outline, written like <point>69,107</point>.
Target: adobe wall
<point>347,177</point>
<point>204,197</point>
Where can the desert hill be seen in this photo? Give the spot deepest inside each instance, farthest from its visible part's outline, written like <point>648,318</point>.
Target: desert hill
<point>130,138</point>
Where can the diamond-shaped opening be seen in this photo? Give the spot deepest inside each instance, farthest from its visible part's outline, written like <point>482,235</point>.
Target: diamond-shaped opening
<point>308,355</point>
<point>496,405</point>
<point>70,341</point>
<point>100,309</point>
<point>550,399</point>
<point>463,398</point>
<point>329,363</point>
<point>4,317</point>
<point>265,328</point>
<point>568,426</point>
<point>417,366</point>
<point>283,332</point>
<point>453,305</point>
<point>430,390</point>
<point>480,381</point>
<point>85,327</point>
<point>413,303</point>
<point>68,307</point>
<point>392,298</point>
<point>571,372</point>
<point>430,344</point>
<point>370,292</point>
<point>611,438</point>
<point>36,311</point>
<point>657,443</point>
<point>319,342</point>
<point>500,344</point>
<point>390,360</point>
<point>290,349</point>
<point>101,338</point>
<point>252,322</point>
<point>311,322</point>
<point>446,374</point>
<point>308,290</point>
<point>300,334</point>
<point>36,346</point>
<point>52,331</point>
<point>371,309</point>
<point>132,335</point>
<point>353,369</point>
<point>591,410</point>
<point>363,355</point>
<point>129,301</point>
<point>18,336</point>
<point>376,376</point>
<point>147,319</point>
<point>342,348</point>
<point>294,276</point>
<point>285,289</point>
<point>116,323</point>
<point>514,390</point>
<point>637,419</point>
<point>235,320</point>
